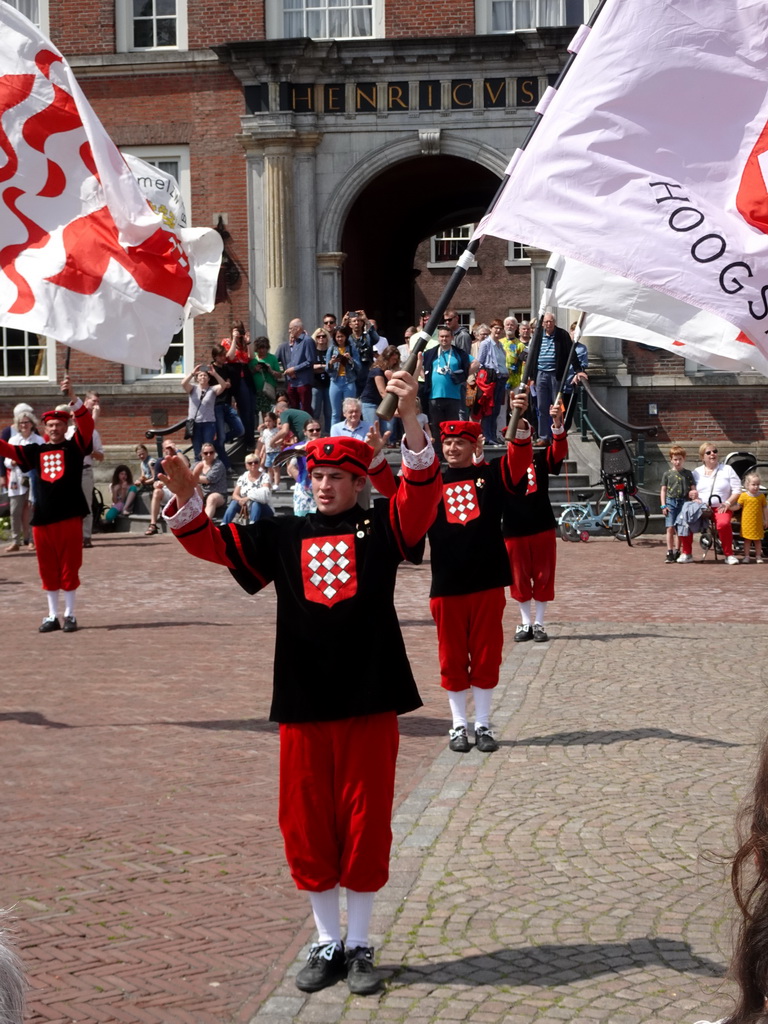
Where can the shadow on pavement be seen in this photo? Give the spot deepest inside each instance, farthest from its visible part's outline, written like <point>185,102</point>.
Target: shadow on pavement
<point>549,965</point>
<point>32,718</point>
<point>604,737</point>
<point>165,624</point>
<point>232,724</point>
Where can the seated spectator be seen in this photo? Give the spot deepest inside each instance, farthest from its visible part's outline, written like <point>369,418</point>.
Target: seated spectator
<point>124,493</point>
<point>212,478</point>
<point>24,430</point>
<point>252,494</point>
<point>352,425</point>
<point>146,475</point>
<point>160,493</point>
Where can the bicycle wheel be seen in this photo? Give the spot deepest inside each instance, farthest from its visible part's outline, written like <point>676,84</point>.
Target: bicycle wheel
<point>642,515</point>
<point>569,523</point>
<point>622,523</point>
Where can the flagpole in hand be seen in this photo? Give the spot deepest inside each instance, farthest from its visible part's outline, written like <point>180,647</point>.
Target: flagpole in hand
<point>419,341</point>
<point>530,366</point>
<point>571,351</point>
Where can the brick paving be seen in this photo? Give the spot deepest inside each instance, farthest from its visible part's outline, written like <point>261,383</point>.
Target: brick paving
<point>568,876</point>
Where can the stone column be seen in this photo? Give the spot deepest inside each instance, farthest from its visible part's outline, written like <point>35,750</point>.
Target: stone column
<point>329,266</point>
<point>280,270</point>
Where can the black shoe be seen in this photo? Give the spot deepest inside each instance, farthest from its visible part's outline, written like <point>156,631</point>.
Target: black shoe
<point>70,624</point>
<point>362,978</point>
<point>326,964</point>
<point>484,740</point>
<point>676,553</point>
<point>670,556</point>
<point>539,634</point>
<point>87,543</point>
<point>49,625</point>
<point>523,633</point>
<point>459,741</point>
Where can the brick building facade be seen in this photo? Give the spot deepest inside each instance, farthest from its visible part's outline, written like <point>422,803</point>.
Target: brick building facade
<point>339,148</point>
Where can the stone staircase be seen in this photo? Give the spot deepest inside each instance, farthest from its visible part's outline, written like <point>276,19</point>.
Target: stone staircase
<point>580,474</point>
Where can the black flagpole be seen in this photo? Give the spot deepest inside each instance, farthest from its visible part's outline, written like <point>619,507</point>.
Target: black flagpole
<point>388,404</point>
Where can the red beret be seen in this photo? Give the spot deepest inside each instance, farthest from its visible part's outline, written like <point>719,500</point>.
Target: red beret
<point>56,414</point>
<point>347,453</point>
<point>467,429</point>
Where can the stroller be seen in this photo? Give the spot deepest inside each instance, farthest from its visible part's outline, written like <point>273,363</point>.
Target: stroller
<point>741,463</point>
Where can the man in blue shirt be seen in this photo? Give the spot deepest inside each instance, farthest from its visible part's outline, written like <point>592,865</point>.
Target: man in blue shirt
<point>445,370</point>
<point>553,355</point>
<point>298,356</point>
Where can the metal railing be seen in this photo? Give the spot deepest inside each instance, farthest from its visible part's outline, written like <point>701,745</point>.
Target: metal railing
<point>586,427</point>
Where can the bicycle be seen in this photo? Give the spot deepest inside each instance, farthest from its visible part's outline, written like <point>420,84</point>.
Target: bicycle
<point>579,520</point>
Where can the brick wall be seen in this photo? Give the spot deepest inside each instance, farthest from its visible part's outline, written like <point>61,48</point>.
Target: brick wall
<point>430,18</point>
<point>491,290</point>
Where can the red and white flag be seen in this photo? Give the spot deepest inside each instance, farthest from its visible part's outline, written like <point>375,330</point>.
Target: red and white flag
<point>649,158</point>
<point>83,256</point>
<point>619,308</point>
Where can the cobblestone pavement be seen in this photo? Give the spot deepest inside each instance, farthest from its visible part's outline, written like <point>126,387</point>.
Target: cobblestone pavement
<point>569,876</point>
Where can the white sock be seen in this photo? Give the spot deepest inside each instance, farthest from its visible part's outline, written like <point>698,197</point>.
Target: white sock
<point>359,910</point>
<point>482,699</point>
<point>53,603</point>
<point>69,603</point>
<point>325,907</point>
<point>525,612</point>
<point>541,611</point>
<point>458,702</point>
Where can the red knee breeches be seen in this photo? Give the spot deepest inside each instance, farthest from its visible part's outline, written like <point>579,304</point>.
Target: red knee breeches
<point>337,782</point>
<point>532,560</point>
<point>59,548</point>
<point>470,638</point>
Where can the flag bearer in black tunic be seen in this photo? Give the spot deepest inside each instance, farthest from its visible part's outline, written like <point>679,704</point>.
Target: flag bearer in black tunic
<point>529,528</point>
<point>470,569</point>
<point>57,518</point>
<point>338,719</point>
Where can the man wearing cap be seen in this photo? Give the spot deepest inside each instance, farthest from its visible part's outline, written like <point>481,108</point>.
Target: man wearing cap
<point>338,728</point>
<point>470,569</point>
<point>60,507</point>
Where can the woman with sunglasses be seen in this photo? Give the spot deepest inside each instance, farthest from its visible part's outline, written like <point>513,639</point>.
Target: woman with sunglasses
<point>719,487</point>
<point>23,431</point>
<point>252,494</point>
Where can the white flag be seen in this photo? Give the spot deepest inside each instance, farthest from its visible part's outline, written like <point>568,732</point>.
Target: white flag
<point>620,308</point>
<point>83,256</point>
<point>648,160</point>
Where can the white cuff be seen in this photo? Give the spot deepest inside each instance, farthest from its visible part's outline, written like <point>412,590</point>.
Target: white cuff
<point>377,460</point>
<point>418,460</point>
<point>524,432</point>
<point>558,430</point>
<point>186,513</point>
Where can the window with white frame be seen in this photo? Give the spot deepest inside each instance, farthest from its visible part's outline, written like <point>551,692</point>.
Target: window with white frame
<point>151,25</point>
<point>466,317</point>
<point>520,314</point>
<point>447,246</point>
<point>517,253</point>
<point>35,10</point>
<point>23,354</point>
<point>521,15</point>
<point>324,19</point>
<point>173,160</point>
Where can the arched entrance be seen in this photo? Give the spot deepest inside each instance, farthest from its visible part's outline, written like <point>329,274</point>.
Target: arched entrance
<point>403,205</point>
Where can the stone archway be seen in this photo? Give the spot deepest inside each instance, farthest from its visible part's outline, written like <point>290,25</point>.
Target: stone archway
<point>405,203</point>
